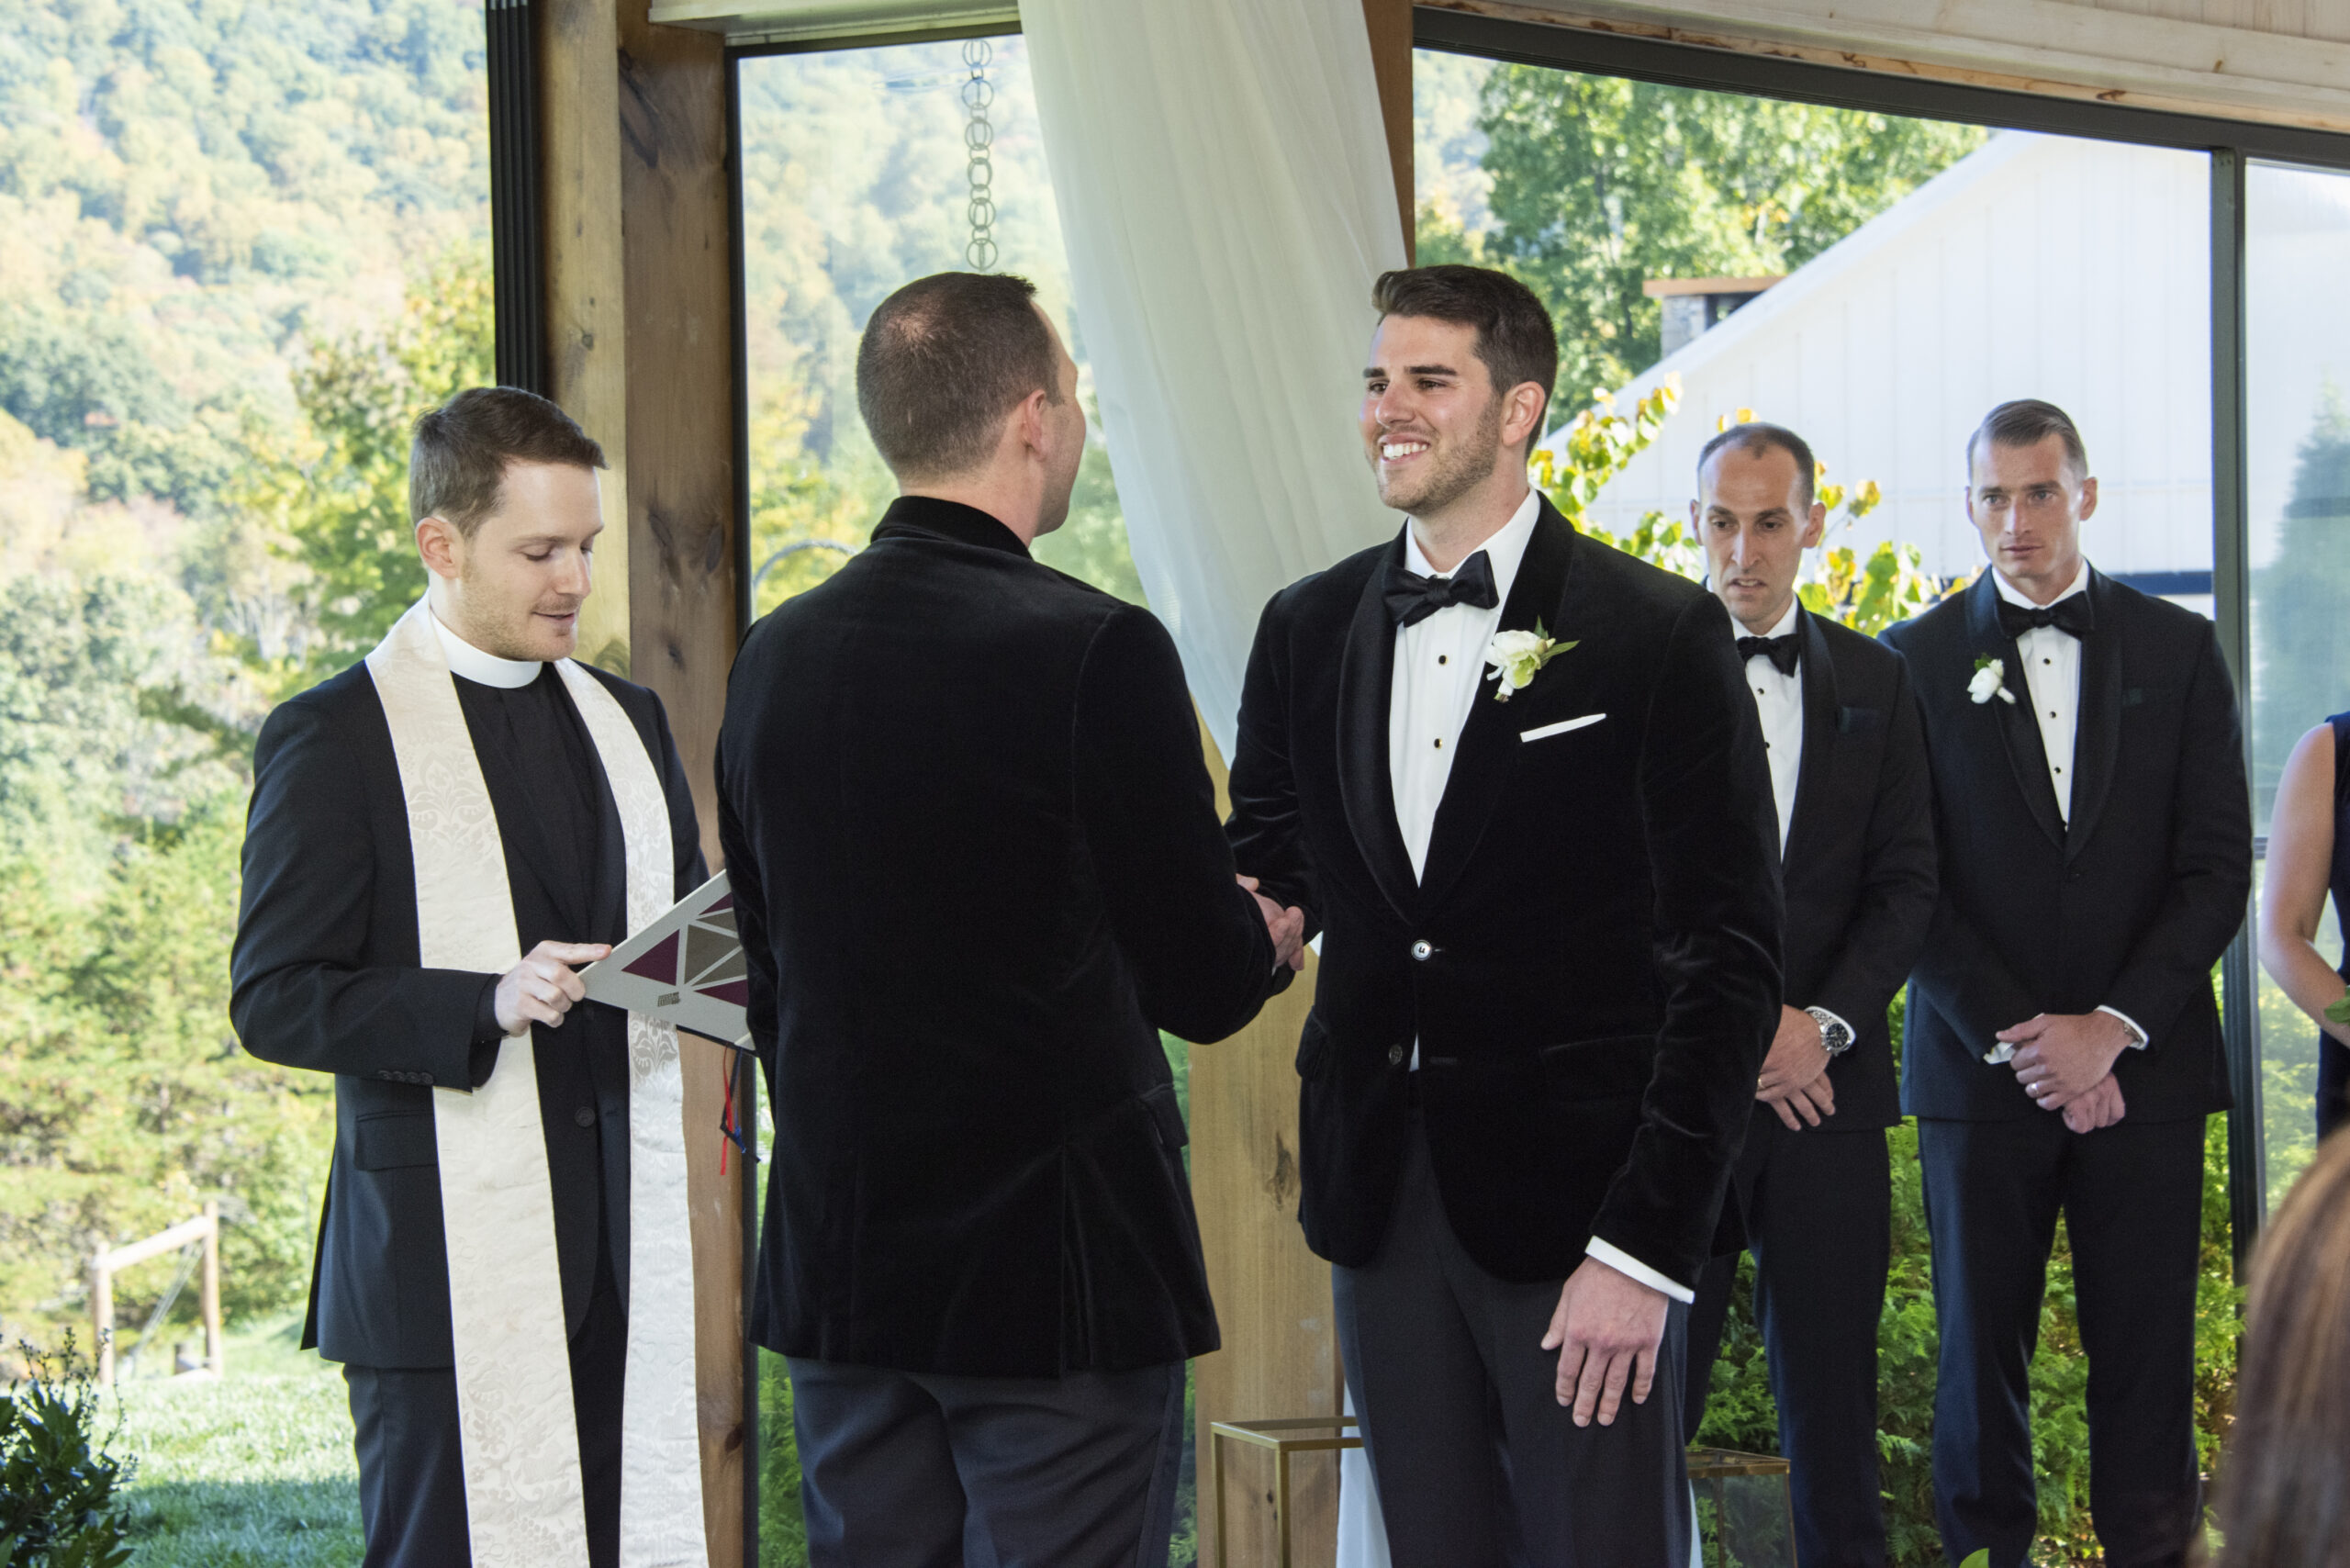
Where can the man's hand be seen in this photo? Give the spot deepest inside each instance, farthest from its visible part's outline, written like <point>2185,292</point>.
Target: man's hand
<point>1795,1075</point>
<point>542,988</point>
<point>1287,927</point>
<point>2060,1055</point>
<point>1606,1331</point>
<point>2100,1107</point>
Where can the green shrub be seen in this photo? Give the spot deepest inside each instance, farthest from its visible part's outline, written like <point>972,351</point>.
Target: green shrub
<point>58,1482</point>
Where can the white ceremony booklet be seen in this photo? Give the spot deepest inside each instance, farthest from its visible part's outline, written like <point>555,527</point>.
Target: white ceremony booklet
<point>686,968</point>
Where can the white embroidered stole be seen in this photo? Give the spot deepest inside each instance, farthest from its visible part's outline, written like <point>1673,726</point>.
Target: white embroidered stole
<point>524,1501</point>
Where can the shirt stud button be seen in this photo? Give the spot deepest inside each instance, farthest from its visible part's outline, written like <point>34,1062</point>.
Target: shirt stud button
<point>585,1116</point>
<point>1441,658</point>
<point>1421,949</point>
<point>1394,1056</point>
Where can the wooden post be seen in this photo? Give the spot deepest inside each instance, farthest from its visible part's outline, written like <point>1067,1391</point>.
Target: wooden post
<point>1273,1296</point>
<point>640,351</point>
<point>102,1317</point>
<point>1390,23</point>
<point>209,1292</point>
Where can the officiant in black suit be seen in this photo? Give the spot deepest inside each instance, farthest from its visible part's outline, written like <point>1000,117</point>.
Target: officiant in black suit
<point>2062,1044</point>
<point>1548,899</point>
<point>327,971</point>
<point>976,868</point>
<point>1855,820</point>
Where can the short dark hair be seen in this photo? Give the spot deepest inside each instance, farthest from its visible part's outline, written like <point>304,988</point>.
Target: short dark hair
<point>456,464</point>
<point>2028,421</point>
<point>1514,337</point>
<point>1756,436</point>
<point>944,359</point>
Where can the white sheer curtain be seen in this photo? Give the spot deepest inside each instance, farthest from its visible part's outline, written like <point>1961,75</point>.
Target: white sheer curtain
<point>1221,173</point>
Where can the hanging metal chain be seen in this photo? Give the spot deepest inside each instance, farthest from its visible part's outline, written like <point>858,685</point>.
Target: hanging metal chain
<point>978,137</point>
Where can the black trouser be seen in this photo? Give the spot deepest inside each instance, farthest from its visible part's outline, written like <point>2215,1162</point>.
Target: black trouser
<point>1477,1462</point>
<point>928,1470</point>
<point>1820,1221</point>
<point>411,1466</point>
<point>2132,1201</point>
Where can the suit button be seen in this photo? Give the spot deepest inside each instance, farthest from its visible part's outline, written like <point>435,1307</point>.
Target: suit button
<point>585,1116</point>
<point>1394,1056</point>
<point>1421,949</point>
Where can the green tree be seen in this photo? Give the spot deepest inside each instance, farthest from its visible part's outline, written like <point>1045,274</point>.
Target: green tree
<point>2302,601</point>
<point>1600,184</point>
<point>335,490</point>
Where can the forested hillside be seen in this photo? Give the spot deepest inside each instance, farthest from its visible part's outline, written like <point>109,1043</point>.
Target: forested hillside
<point>224,227</point>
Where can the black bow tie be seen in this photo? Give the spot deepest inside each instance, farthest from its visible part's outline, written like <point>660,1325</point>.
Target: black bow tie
<point>1782,651</point>
<point>2069,615</point>
<point>1412,599</point>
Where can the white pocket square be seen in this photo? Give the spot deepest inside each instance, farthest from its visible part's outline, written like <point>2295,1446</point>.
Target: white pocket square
<point>1544,732</point>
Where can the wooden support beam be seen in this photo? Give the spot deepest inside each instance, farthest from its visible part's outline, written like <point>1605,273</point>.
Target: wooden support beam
<point>1273,1296</point>
<point>640,351</point>
<point>1390,22</point>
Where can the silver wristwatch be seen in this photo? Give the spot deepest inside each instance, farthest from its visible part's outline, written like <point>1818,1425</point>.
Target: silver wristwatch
<point>1833,1033</point>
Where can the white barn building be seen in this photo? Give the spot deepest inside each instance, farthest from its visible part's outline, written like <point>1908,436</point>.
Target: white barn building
<point>2037,266</point>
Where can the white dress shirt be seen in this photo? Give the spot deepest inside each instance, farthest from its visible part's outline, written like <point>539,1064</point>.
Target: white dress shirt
<point>2052,677</point>
<point>488,669</point>
<point>1778,700</point>
<point>1439,670</point>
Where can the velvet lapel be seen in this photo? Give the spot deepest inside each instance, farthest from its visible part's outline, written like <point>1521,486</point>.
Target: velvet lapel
<point>1366,678</point>
<point>1820,707</point>
<point>1489,741</point>
<point>2097,729</point>
<point>2019,733</point>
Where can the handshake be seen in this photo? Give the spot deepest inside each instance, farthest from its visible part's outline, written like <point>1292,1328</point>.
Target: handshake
<point>1287,927</point>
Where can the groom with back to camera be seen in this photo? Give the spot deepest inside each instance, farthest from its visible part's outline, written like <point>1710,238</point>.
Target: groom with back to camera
<point>976,870</point>
<point>1549,904</point>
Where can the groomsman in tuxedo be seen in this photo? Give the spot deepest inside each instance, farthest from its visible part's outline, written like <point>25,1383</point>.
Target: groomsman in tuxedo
<point>1855,819</point>
<point>2063,1042</point>
<point>1515,779</point>
<point>976,868</point>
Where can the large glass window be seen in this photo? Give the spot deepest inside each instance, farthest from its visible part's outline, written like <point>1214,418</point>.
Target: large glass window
<point>2298,461</point>
<point>864,169</point>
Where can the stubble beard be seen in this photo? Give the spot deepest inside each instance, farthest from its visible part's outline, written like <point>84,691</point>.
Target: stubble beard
<point>1451,471</point>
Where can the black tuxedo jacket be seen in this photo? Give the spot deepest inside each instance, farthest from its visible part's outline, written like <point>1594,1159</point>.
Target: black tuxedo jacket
<point>1589,963</point>
<point>976,870</point>
<point>2130,908</point>
<point>327,976</point>
<point>1859,871</point>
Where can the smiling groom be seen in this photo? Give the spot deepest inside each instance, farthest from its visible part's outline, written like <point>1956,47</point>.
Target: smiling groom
<point>1549,905</point>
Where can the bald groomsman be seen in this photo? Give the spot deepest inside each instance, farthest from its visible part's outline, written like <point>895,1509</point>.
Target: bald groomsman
<point>1855,817</point>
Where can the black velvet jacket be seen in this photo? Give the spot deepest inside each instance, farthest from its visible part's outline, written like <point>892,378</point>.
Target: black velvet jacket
<point>326,977</point>
<point>2130,906</point>
<point>976,868</point>
<point>1590,963</point>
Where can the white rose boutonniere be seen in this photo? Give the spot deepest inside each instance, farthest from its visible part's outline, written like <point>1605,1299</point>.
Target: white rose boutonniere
<point>1990,680</point>
<point>1519,656</point>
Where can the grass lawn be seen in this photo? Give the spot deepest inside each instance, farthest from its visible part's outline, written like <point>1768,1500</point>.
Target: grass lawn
<point>252,1471</point>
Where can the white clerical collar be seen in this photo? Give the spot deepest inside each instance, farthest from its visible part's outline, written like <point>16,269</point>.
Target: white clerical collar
<point>2014,595</point>
<point>1504,549</point>
<point>488,669</point>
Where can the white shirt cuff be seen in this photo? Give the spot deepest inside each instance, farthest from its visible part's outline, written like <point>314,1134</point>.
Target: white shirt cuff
<point>1624,1263</point>
<point>2140,1042</point>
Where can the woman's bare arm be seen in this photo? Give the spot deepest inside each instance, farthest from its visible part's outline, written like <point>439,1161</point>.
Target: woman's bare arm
<point>2300,863</point>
